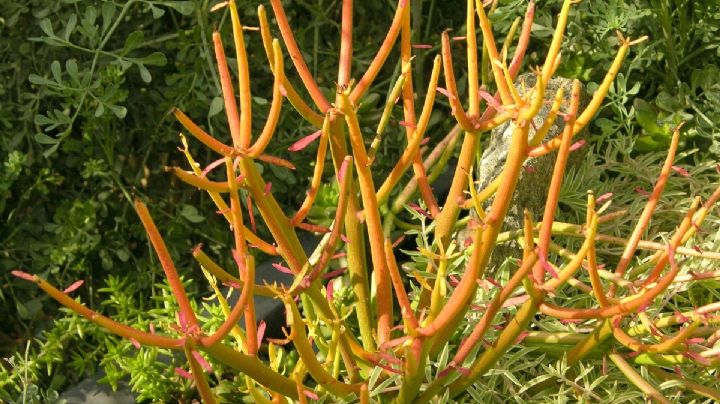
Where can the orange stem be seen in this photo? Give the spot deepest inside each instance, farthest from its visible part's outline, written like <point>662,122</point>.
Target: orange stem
<point>243,78</point>
<point>555,183</point>
<point>297,57</point>
<point>316,180</point>
<point>167,264</point>
<point>275,106</point>
<point>408,97</point>
<point>382,54</point>
<point>237,311</point>
<point>406,310</point>
<point>300,105</point>
<point>231,109</point>
<point>648,210</point>
<point>372,219</point>
<point>451,86</point>
<point>205,138</point>
<point>479,331</point>
<point>122,330</point>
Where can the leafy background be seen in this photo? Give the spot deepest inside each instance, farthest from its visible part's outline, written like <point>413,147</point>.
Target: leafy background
<point>85,91</point>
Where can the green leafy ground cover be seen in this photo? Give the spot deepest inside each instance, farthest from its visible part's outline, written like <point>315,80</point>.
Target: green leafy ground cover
<point>85,90</point>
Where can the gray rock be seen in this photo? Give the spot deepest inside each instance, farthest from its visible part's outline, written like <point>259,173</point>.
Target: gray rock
<point>534,182</point>
<point>89,391</point>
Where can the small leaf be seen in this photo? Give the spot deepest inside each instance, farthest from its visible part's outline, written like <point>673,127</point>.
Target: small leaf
<point>311,395</point>
<point>70,26</point>
<point>56,71</point>
<point>42,81</point>
<point>72,68</point>
<point>154,59</point>
<point>182,7</point>
<point>133,41</point>
<point>43,120</point>
<point>118,110</point>
<point>144,73</point>
<point>29,309</point>
<point>261,332</point>
<point>157,12</point>
<point>183,373</point>
<point>51,150</point>
<point>124,63</point>
<point>215,106</point>
<point>46,27</point>
<point>74,286</point>
<point>681,171</point>
<point>23,275</point>
<point>281,268</point>
<point>577,145</point>
<point>100,110</point>
<point>260,100</point>
<point>305,141</point>
<point>191,214</point>
<point>45,139</point>
<point>90,15</point>
<point>123,254</point>
<point>201,360</point>
<point>107,10</point>
<point>604,197</point>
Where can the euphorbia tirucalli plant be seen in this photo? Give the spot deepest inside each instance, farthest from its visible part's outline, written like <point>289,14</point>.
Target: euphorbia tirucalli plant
<point>399,346</point>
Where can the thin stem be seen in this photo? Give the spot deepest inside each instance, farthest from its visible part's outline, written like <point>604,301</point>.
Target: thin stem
<point>408,97</point>
<point>382,54</point>
<point>472,63</point>
<point>198,375</point>
<point>297,57</point>
<point>254,368</point>
<point>372,220</point>
<point>638,380</point>
<point>412,150</point>
<point>300,105</point>
<point>316,180</point>
<point>306,353</point>
<point>553,197</point>
<point>346,46</point>
<point>644,219</point>
<point>105,322</point>
<point>168,265</point>
<point>489,43</point>
<point>231,109</point>
<point>243,79</point>
<point>451,86</point>
<point>275,106</point>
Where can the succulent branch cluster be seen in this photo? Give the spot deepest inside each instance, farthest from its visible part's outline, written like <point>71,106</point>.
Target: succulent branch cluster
<point>366,216</point>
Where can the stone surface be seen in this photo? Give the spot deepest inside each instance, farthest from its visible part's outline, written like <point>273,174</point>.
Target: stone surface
<point>89,391</point>
<point>534,181</point>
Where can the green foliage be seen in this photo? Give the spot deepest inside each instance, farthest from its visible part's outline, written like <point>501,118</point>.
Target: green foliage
<point>676,70</point>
